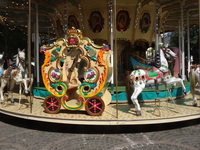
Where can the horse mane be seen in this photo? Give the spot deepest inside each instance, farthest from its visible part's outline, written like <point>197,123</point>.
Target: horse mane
<point>13,60</point>
<point>15,56</point>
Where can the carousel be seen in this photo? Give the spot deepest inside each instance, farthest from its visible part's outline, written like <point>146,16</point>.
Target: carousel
<point>102,63</point>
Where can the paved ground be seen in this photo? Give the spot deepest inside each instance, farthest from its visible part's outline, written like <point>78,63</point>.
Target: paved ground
<point>19,134</point>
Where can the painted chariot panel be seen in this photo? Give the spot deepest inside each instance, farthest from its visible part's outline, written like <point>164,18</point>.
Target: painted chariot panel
<point>77,73</point>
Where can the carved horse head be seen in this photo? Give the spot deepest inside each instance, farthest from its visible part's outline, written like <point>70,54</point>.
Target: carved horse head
<point>169,53</point>
<point>20,60</point>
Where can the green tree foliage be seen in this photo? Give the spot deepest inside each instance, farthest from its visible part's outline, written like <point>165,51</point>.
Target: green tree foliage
<point>194,42</point>
<point>174,39</point>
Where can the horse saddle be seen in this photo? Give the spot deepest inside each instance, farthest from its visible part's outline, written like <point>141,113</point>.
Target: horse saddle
<point>8,72</point>
<point>153,73</point>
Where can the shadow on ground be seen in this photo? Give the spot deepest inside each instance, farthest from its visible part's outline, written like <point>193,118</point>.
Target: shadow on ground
<point>91,129</point>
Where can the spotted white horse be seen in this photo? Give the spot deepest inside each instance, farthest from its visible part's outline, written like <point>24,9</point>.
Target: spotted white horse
<point>195,80</point>
<point>16,75</point>
<point>139,78</point>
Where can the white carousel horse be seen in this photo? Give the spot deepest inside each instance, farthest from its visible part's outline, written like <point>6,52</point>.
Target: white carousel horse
<point>151,75</point>
<point>2,61</point>
<point>1,64</point>
<point>196,69</point>
<point>195,80</point>
<point>16,75</point>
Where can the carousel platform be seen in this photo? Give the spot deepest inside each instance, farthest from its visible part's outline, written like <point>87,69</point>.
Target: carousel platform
<point>159,111</point>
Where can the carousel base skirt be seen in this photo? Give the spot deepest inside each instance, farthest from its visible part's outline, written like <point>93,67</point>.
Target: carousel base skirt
<point>150,93</point>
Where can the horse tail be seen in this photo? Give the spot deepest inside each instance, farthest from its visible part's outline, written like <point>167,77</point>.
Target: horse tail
<point>192,81</point>
<point>128,87</point>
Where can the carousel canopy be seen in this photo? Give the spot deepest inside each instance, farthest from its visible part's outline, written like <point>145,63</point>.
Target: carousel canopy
<point>14,13</point>
<point>171,9</point>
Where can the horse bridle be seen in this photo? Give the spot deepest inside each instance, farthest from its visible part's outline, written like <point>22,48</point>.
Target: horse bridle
<point>22,61</point>
<point>166,51</point>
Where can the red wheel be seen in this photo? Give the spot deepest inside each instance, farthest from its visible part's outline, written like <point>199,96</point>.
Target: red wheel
<point>94,106</point>
<point>52,104</point>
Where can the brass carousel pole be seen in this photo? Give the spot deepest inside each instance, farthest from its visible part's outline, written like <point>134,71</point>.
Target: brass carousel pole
<point>37,60</point>
<point>112,21</point>
<point>29,50</point>
<point>156,35</point>
<point>199,34</point>
<point>65,19</point>
<point>188,43</point>
<point>182,41</point>
<point>199,31</point>
<point>111,16</point>
<point>115,57</point>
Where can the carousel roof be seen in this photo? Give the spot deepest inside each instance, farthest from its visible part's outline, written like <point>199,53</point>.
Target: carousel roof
<point>171,9</point>
<point>14,13</point>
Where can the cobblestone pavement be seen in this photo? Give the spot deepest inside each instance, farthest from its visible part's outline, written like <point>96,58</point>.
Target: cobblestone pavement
<point>19,134</point>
